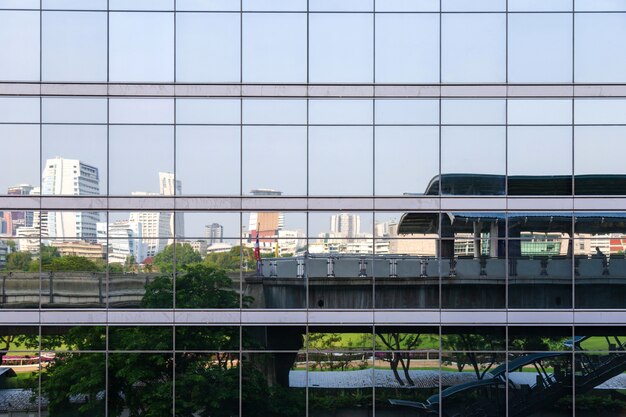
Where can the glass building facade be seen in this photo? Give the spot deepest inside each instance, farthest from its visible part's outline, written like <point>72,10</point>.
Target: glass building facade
<point>312,208</point>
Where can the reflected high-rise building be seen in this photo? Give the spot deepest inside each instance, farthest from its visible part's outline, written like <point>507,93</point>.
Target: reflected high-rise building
<point>17,219</point>
<point>63,176</point>
<point>170,186</point>
<point>214,233</point>
<point>159,228</point>
<point>124,241</point>
<point>345,225</point>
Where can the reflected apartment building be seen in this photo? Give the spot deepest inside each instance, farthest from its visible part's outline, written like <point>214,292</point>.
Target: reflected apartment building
<point>390,208</point>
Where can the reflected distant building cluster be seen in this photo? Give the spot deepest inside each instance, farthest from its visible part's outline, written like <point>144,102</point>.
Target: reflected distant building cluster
<point>83,233</point>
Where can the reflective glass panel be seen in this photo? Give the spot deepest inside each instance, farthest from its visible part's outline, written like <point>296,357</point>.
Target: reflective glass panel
<point>340,48</point>
<point>343,170</point>
<point>473,48</point>
<point>274,47</point>
<point>74,160</point>
<point>74,46</point>
<point>19,37</point>
<point>208,47</point>
<point>141,47</point>
<point>268,154</point>
<point>407,48</point>
<point>543,53</point>
<point>595,64</point>
<point>21,167</point>
<point>151,175</point>
<point>416,149</point>
<point>598,168</point>
<point>464,167</point>
<point>221,145</point>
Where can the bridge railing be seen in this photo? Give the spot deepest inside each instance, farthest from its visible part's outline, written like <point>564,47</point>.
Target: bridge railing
<point>407,266</point>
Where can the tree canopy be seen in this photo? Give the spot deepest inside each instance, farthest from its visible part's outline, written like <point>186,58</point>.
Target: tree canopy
<point>185,255</point>
<point>141,384</point>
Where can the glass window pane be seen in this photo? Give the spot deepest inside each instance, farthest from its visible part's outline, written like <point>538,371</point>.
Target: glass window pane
<point>540,150</point>
<point>539,112</point>
<point>208,111</point>
<point>19,109</point>
<point>407,48</point>
<point>416,149</point>
<point>543,54</point>
<point>141,4</point>
<point>407,6</point>
<point>212,227</point>
<point>464,168</point>
<point>74,110</point>
<point>208,5</point>
<point>340,48</point>
<point>275,5</point>
<point>126,146</point>
<point>341,5</point>
<point>141,47</point>
<point>77,262</point>
<point>599,259</point>
<point>274,158</point>
<point>340,112</point>
<point>600,5</point>
<point>271,112</point>
<point>74,369</point>
<point>540,5</point>
<point>19,4</point>
<point>599,169</point>
<point>74,160</point>
<point>473,6</point>
<point>600,64</point>
<point>129,371</point>
<point>74,46</point>
<point>473,48</point>
<point>141,110</point>
<point>199,373</point>
<point>340,160</point>
<point>274,47</point>
<point>21,167</point>
<point>471,112</point>
<point>75,4</point>
<point>600,111</point>
<point>219,173</point>
<point>407,112</point>
<point>341,225</point>
<point>19,46</point>
<point>208,47</point>
<point>288,230</point>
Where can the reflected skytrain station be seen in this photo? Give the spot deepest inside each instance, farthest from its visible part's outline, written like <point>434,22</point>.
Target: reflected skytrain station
<point>312,208</point>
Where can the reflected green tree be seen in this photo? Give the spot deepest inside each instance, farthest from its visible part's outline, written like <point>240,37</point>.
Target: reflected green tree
<point>141,384</point>
<point>237,257</point>
<point>19,261</point>
<point>479,351</point>
<point>185,255</point>
<point>399,344</point>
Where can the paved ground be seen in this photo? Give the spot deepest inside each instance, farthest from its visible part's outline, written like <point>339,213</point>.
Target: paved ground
<point>423,379</point>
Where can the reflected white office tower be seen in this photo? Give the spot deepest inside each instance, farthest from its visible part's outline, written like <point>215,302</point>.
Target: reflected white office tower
<point>168,185</point>
<point>214,233</point>
<point>124,240</point>
<point>159,228</point>
<point>345,225</point>
<point>70,177</point>
<point>155,228</point>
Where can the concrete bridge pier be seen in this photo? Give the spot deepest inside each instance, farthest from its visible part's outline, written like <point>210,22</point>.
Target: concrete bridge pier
<point>284,341</point>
